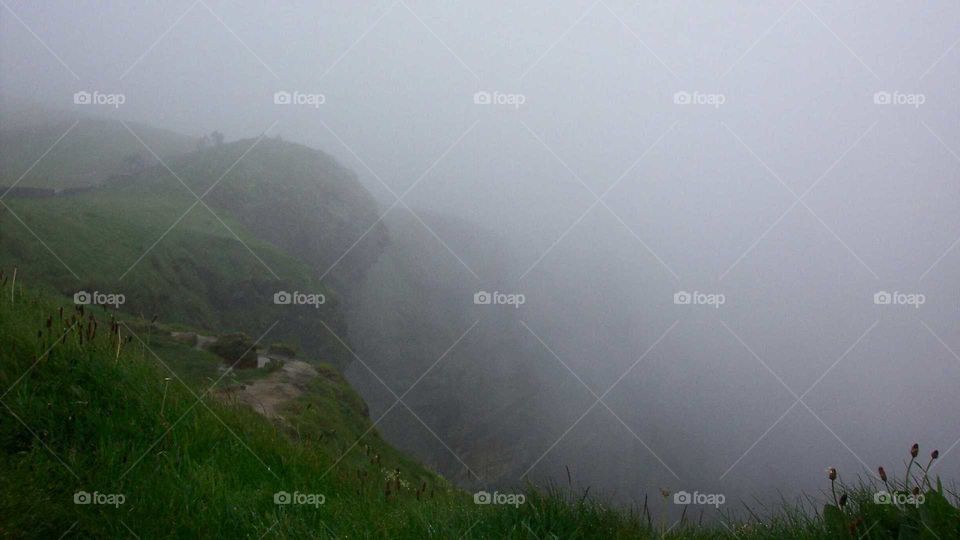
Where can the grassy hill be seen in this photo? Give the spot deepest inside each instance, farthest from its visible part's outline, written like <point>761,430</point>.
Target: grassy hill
<point>144,235</point>
<point>108,423</point>
<point>93,151</point>
<point>295,197</point>
<point>198,274</point>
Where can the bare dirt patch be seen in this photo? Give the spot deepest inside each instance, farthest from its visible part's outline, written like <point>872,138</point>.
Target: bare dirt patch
<point>267,395</point>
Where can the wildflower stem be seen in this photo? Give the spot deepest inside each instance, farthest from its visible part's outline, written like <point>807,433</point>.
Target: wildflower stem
<point>906,481</point>
<point>163,403</point>
<point>926,476</point>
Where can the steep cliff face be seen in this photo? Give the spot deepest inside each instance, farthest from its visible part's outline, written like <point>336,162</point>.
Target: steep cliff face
<point>304,203</point>
<point>297,198</point>
<point>476,371</point>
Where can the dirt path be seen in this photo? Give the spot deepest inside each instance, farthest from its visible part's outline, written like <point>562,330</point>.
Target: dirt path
<point>267,395</point>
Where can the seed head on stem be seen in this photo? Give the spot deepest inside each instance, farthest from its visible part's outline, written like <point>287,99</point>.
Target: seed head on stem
<point>832,475</point>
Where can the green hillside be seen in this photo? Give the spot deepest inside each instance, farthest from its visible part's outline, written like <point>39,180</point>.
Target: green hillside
<point>91,152</point>
<point>145,236</point>
<point>108,423</point>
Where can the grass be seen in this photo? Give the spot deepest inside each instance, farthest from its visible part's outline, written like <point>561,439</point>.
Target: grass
<point>197,274</point>
<point>277,217</point>
<point>79,416</point>
<point>112,424</point>
<point>91,152</point>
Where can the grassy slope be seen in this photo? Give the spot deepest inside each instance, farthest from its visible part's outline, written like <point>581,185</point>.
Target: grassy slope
<point>94,149</point>
<point>214,467</point>
<point>199,274</point>
<point>295,208</point>
<point>296,198</point>
<point>80,418</point>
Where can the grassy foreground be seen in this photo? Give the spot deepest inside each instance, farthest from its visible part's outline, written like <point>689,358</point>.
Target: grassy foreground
<point>91,414</point>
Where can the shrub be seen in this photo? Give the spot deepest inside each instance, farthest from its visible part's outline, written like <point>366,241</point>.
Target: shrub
<point>237,350</point>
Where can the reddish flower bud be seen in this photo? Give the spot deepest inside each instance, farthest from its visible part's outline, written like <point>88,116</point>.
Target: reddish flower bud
<point>883,474</point>
<point>935,454</point>
<point>832,474</point>
<point>914,450</point>
<point>843,500</point>
<point>916,491</point>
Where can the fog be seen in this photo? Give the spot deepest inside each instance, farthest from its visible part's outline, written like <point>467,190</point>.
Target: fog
<point>782,162</point>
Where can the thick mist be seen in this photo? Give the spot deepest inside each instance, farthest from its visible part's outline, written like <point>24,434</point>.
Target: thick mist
<point>734,226</point>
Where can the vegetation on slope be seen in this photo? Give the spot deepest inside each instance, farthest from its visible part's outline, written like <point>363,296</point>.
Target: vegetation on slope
<point>93,151</point>
<point>295,197</point>
<point>80,418</point>
<point>145,236</point>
